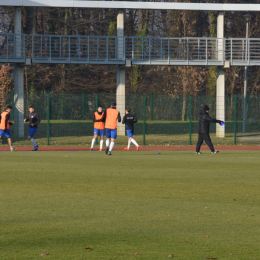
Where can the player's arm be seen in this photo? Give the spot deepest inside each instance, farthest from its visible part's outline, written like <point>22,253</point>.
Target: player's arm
<point>38,119</point>
<point>212,120</point>
<point>104,116</point>
<point>6,120</point>
<point>26,119</point>
<point>119,117</point>
<point>96,120</point>
<point>123,122</point>
<point>135,120</point>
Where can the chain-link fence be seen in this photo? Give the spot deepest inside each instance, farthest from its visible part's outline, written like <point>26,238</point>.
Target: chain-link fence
<point>67,119</point>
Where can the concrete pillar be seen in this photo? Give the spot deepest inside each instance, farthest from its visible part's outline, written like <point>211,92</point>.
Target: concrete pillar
<point>220,91</point>
<point>120,82</point>
<point>18,78</point>
<point>220,101</point>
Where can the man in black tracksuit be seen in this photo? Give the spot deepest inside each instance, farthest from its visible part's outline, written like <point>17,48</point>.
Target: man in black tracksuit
<point>34,121</point>
<point>129,120</point>
<point>204,121</point>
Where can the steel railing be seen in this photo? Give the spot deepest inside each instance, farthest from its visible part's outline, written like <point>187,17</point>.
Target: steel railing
<point>140,50</point>
<point>156,50</point>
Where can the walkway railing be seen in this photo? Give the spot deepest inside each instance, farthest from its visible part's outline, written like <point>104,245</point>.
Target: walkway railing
<point>140,50</point>
<point>175,51</point>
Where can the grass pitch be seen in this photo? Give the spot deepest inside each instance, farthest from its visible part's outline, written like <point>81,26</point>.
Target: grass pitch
<point>131,205</point>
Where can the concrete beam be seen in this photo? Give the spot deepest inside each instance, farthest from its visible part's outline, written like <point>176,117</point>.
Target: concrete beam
<point>220,88</point>
<point>135,5</point>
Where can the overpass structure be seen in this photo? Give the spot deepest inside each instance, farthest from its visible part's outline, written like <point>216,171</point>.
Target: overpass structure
<point>71,49</point>
<point>123,51</point>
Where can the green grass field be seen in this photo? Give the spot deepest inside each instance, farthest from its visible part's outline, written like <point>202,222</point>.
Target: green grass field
<point>129,205</point>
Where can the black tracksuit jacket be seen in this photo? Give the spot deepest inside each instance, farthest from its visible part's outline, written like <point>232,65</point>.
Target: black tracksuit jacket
<point>129,121</point>
<point>204,121</point>
<point>34,119</point>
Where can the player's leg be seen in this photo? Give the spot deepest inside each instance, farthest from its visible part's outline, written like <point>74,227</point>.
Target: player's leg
<point>94,139</point>
<point>93,142</point>
<point>7,134</point>
<point>133,140</point>
<point>31,134</point>
<point>209,143</point>
<point>1,135</point>
<point>129,140</point>
<point>199,143</point>
<point>111,146</point>
<point>128,145</point>
<point>10,144</point>
<point>101,140</point>
<point>108,135</point>
<point>113,137</point>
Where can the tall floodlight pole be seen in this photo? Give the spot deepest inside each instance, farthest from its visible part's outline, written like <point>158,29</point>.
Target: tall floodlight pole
<point>248,18</point>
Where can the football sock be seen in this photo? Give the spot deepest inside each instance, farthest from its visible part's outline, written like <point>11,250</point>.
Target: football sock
<point>33,142</point>
<point>101,144</point>
<point>129,144</point>
<point>111,146</point>
<point>134,142</point>
<point>93,142</point>
<point>107,143</point>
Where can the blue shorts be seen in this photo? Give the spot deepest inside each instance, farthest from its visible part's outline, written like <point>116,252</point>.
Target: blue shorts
<point>32,131</point>
<point>130,132</point>
<point>111,133</point>
<point>5,133</point>
<point>100,132</point>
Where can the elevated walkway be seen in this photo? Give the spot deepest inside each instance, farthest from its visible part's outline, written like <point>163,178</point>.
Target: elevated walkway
<point>116,50</point>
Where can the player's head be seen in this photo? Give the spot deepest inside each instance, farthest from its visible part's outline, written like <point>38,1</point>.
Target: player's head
<point>127,110</point>
<point>31,109</point>
<point>8,109</point>
<point>206,108</point>
<point>99,109</point>
<point>113,104</point>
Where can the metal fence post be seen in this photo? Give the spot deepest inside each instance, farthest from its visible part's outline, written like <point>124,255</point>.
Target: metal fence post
<point>48,118</point>
<point>96,110</point>
<point>190,125</point>
<point>248,105</point>
<point>96,102</point>
<point>235,119</point>
<point>143,120</point>
<point>13,105</point>
<point>83,105</point>
<point>151,106</point>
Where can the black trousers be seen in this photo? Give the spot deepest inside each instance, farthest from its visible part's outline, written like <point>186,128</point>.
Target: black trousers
<point>207,139</point>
